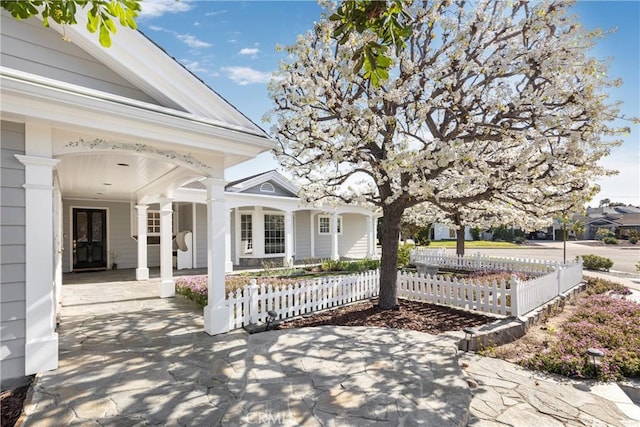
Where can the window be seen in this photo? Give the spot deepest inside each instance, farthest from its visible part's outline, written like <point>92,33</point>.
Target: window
<point>246,233</point>
<point>324,224</point>
<point>267,187</point>
<point>153,223</point>
<point>274,234</point>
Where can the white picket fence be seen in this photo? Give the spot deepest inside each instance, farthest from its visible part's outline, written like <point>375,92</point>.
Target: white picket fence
<point>478,262</point>
<point>512,297</point>
<point>251,304</point>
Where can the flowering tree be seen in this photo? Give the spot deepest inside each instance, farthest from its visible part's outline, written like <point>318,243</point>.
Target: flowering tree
<point>491,103</point>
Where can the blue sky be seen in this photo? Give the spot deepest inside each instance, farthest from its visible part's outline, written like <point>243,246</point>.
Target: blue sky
<point>231,46</point>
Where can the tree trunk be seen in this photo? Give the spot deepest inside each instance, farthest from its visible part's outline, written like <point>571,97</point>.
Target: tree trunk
<point>460,241</point>
<point>389,262</point>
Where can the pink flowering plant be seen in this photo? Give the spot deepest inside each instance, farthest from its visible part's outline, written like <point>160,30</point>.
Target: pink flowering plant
<point>608,324</point>
<point>196,287</point>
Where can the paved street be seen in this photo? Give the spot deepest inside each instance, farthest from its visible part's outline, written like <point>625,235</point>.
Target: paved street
<point>624,258</point>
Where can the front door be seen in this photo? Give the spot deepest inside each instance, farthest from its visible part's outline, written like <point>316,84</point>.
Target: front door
<point>89,238</point>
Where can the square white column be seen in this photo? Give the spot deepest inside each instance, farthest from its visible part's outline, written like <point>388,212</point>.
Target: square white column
<point>370,241</point>
<point>334,237</point>
<point>41,340</point>
<point>216,313</point>
<point>142,272</point>
<point>288,239</point>
<point>167,287</point>
<point>228,264</point>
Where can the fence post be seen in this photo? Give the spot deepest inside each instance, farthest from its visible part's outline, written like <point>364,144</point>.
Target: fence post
<point>514,285</point>
<point>253,301</point>
<point>559,278</point>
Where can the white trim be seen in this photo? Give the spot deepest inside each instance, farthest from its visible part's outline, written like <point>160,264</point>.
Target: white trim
<point>263,178</point>
<point>330,232</point>
<point>267,187</point>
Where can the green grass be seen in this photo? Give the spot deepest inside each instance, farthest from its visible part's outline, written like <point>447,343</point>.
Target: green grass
<point>474,244</point>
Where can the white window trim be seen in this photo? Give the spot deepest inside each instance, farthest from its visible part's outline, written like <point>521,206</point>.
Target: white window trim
<point>264,217</point>
<point>244,253</point>
<point>324,233</point>
<point>267,187</point>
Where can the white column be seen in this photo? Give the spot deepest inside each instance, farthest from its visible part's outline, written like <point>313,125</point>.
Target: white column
<point>288,239</point>
<point>194,250</point>
<point>258,232</point>
<point>238,235</point>
<point>216,313</point>
<point>142,272</point>
<point>228,264</point>
<point>375,235</point>
<point>57,248</point>
<point>167,287</point>
<point>312,217</point>
<point>370,242</point>
<point>334,237</point>
<point>41,340</point>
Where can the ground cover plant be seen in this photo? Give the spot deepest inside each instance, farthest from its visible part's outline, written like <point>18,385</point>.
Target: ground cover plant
<point>596,262</point>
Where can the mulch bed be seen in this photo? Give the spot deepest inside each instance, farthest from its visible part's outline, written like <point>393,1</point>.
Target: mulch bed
<point>416,316</point>
<point>11,402</point>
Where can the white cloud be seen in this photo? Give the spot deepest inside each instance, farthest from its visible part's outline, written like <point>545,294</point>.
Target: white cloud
<point>193,66</point>
<point>156,28</point>
<point>252,51</point>
<point>156,8</point>
<point>215,12</point>
<point>246,76</point>
<point>192,41</point>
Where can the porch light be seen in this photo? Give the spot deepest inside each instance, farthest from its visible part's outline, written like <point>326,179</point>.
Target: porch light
<point>272,317</point>
<point>596,357</point>
<point>468,335</point>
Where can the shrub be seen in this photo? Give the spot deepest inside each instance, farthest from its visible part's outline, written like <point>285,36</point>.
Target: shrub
<point>597,286</point>
<point>475,233</point>
<point>404,254</point>
<point>519,240</point>
<point>422,238</point>
<point>596,262</point>
<point>610,241</point>
<point>601,322</point>
<point>633,240</point>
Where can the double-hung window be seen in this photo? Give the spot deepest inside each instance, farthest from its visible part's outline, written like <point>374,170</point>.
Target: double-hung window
<point>324,224</point>
<point>273,234</point>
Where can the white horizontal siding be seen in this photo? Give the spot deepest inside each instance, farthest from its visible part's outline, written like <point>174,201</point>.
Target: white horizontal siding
<point>353,241</point>
<point>303,235</point>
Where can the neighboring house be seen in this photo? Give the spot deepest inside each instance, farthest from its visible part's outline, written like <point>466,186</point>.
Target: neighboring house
<point>96,144</point>
<point>618,220</point>
<point>444,232</point>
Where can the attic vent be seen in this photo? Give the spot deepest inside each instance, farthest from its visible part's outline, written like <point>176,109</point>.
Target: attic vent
<point>267,187</point>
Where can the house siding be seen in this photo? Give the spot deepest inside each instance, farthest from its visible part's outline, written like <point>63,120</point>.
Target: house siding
<point>12,248</point>
<point>28,46</point>
<point>303,235</point>
<point>353,241</point>
<point>119,237</point>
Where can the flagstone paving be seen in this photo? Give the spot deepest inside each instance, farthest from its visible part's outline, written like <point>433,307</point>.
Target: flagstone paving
<point>128,358</point>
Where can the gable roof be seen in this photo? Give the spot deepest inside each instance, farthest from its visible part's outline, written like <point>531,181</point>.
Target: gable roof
<point>147,66</point>
<point>274,176</point>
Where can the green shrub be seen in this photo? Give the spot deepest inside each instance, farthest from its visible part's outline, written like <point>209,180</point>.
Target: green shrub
<point>597,286</point>
<point>404,253</point>
<point>519,240</point>
<point>475,233</point>
<point>596,262</point>
<point>422,237</point>
<point>610,241</point>
<point>633,240</point>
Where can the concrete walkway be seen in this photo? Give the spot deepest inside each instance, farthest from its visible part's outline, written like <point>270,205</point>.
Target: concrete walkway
<point>129,358</point>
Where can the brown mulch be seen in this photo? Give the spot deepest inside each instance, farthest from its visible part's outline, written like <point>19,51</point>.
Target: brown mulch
<point>12,402</point>
<point>416,316</point>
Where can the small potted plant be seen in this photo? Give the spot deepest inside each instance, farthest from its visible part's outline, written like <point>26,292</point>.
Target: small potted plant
<point>114,259</point>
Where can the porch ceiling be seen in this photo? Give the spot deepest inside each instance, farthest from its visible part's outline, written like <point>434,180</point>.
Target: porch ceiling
<point>105,176</point>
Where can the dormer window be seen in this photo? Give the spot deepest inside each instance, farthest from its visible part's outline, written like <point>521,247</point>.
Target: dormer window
<point>267,187</point>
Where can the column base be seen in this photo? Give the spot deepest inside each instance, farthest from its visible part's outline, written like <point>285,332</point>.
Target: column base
<point>41,354</point>
<point>167,289</point>
<point>142,274</point>
<point>216,319</point>
<point>228,267</point>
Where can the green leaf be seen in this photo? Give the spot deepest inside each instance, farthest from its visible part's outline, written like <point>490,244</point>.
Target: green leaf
<point>92,23</point>
<point>108,22</point>
<point>105,38</point>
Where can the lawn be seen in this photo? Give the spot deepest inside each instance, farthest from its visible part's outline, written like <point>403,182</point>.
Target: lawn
<point>475,244</point>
